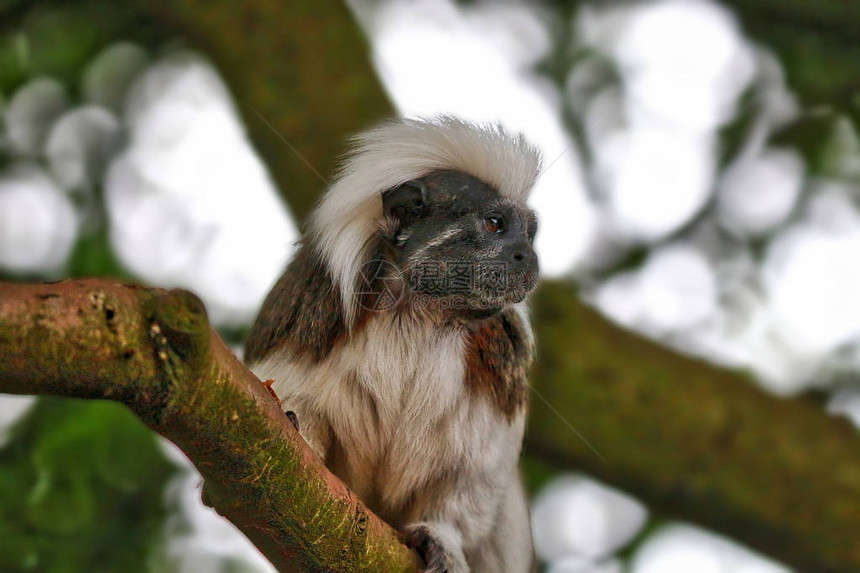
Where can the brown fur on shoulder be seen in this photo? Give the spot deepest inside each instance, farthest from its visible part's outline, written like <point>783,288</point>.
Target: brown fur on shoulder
<point>302,315</point>
<point>499,354</point>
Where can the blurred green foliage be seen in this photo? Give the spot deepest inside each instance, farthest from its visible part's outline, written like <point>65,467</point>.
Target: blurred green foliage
<point>81,487</point>
<point>60,39</point>
<point>93,257</point>
<point>81,483</point>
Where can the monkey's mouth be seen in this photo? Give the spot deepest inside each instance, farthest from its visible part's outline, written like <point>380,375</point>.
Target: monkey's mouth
<point>471,288</point>
<point>525,281</point>
<point>511,288</point>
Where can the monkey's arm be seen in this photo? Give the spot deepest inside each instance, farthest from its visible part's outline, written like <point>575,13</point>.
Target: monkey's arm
<point>312,425</point>
<point>509,545</point>
<point>286,379</point>
<point>480,518</point>
<point>486,515</point>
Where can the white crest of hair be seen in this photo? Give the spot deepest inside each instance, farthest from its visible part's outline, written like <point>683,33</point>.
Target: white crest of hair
<point>350,214</point>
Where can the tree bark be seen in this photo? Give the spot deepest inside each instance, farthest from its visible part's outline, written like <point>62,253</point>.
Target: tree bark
<point>154,351</point>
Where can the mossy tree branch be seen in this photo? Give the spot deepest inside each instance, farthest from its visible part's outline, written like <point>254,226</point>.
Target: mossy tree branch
<point>154,351</point>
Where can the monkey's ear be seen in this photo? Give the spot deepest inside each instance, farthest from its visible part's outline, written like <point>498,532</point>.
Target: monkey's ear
<point>405,201</point>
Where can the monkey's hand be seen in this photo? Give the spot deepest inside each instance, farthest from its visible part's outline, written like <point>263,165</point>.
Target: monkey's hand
<point>439,544</point>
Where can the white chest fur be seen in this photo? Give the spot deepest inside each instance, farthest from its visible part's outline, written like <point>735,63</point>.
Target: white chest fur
<point>390,413</point>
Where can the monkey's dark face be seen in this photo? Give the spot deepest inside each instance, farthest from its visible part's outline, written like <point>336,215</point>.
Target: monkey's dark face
<point>459,246</point>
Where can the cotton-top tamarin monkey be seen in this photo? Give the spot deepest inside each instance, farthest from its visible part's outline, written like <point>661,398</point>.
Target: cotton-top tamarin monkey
<point>398,337</point>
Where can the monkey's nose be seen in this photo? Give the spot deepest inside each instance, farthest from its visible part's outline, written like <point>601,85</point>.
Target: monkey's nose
<point>523,258</point>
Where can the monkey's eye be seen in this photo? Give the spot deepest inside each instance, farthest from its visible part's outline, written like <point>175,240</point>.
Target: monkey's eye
<point>494,224</point>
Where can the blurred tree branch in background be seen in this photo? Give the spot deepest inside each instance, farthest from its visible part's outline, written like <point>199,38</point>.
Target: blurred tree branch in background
<point>696,442</point>
<point>693,440</point>
<point>287,64</point>
<point>154,351</point>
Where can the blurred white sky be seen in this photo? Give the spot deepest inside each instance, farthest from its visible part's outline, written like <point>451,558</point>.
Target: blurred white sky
<point>189,201</point>
<point>579,524</point>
